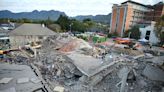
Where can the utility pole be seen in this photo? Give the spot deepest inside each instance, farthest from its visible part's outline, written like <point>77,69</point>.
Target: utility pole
<point>71,27</point>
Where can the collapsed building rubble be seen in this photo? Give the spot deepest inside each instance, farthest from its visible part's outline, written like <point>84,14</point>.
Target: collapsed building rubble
<point>20,78</point>
<point>72,65</point>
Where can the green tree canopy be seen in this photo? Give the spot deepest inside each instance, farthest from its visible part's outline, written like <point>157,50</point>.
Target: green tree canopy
<point>64,22</point>
<point>134,32</point>
<point>74,24</point>
<point>86,20</point>
<point>48,21</point>
<point>78,26</point>
<point>159,29</point>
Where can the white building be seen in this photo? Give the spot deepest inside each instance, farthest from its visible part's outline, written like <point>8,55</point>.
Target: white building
<point>149,34</point>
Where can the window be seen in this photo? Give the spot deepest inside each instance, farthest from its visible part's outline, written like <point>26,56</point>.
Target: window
<point>148,33</point>
<point>147,36</point>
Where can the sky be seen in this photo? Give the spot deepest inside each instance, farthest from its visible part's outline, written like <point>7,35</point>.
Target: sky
<point>70,7</point>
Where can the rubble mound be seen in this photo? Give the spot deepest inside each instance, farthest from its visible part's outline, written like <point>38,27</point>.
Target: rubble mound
<point>74,44</point>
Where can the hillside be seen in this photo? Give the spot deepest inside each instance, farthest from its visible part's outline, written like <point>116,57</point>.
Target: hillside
<point>53,15</point>
<point>98,18</point>
<point>39,15</point>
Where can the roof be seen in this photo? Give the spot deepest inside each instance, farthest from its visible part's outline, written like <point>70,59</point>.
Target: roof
<point>134,3</point>
<point>3,31</point>
<point>31,29</point>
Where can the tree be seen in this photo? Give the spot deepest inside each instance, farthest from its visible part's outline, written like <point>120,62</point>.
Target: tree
<point>64,22</point>
<point>134,32</point>
<point>159,29</point>
<point>115,34</point>
<point>78,26</point>
<point>3,20</point>
<point>89,24</point>
<point>86,20</point>
<point>48,21</point>
<point>25,20</point>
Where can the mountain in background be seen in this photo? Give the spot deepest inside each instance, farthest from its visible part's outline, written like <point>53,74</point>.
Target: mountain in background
<point>98,18</point>
<point>38,15</point>
<point>53,15</point>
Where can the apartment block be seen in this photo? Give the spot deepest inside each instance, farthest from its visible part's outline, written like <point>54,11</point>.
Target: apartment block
<point>131,13</point>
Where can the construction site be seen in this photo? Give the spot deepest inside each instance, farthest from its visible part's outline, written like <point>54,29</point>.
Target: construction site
<point>61,62</point>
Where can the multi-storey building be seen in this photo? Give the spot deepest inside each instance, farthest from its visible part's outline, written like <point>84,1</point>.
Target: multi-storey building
<point>155,13</point>
<point>131,13</point>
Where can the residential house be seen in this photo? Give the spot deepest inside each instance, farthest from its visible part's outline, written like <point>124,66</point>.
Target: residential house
<point>27,33</point>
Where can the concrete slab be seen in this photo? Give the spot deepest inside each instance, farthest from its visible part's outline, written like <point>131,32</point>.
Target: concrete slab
<point>23,80</point>
<point>154,73</point>
<point>59,89</point>
<point>159,60</point>
<point>138,56</point>
<point>89,65</point>
<point>16,72</point>
<point>5,80</point>
<point>35,80</point>
<point>9,90</point>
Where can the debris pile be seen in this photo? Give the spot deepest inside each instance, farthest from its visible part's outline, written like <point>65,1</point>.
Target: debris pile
<point>75,44</point>
<point>69,64</point>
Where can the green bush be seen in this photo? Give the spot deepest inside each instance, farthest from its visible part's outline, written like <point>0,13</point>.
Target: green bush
<point>112,34</point>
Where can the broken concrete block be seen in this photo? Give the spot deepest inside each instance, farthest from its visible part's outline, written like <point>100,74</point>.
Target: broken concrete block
<point>68,74</point>
<point>156,88</point>
<point>154,73</point>
<point>142,83</point>
<point>69,82</point>
<point>95,80</point>
<point>139,56</point>
<point>58,72</point>
<point>136,66</point>
<point>148,55</point>
<point>5,80</point>
<point>83,79</point>
<point>124,74</point>
<point>23,80</point>
<point>9,90</point>
<point>58,89</point>
<point>158,60</point>
<point>35,80</point>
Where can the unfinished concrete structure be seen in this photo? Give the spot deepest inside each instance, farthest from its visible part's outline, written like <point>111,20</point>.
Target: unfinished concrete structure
<point>27,33</point>
<point>131,13</point>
